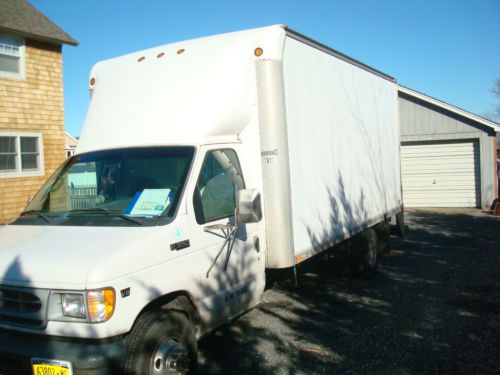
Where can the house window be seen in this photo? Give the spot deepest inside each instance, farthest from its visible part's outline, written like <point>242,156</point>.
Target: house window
<point>21,154</point>
<point>11,56</point>
<point>8,154</point>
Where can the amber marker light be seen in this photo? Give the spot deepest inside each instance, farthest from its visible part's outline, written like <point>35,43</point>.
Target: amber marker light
<point>92,81</point>
<point>299,258</point>
<point>140,59</point>
<point>101,304</point>
<point>160,55</point>
<point>181,51</point>
<point>258,52</point>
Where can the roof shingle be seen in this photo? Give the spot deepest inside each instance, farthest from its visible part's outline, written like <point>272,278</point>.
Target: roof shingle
<point>20,17</point>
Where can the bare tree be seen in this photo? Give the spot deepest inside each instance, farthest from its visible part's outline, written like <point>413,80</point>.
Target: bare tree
<point>496,92</point>
<point>495,115</point>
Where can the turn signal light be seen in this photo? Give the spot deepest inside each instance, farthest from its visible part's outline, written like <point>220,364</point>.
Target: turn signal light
<point>101,304</point>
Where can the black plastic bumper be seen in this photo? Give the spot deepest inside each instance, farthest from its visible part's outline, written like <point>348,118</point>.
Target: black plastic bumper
<point>86,356</point>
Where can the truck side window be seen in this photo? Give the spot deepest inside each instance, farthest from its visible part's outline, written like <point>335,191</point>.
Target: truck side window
<point>215,194</point>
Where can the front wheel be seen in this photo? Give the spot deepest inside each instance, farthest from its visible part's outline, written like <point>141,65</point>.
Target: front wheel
<point>364,254</point>
<point>161,343</point>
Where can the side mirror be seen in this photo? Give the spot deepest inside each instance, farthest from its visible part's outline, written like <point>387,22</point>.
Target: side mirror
<point>249,206</point>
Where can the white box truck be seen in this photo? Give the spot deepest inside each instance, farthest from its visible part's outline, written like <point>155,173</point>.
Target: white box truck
<point>201,165</point>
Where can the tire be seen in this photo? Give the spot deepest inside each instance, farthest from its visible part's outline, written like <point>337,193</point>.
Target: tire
<point>161,342</point>
<point>383,231</point>
<point>364,254</point>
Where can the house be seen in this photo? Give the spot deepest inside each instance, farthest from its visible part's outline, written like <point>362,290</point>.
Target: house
<point>448,155</point>
<point>32,136</point>
<point>70,144</point>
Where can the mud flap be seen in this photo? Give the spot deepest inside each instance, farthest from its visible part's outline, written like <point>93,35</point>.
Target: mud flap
<point>400,224</point>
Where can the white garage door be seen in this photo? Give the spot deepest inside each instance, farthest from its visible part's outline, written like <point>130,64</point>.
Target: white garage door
<point>440,174</point>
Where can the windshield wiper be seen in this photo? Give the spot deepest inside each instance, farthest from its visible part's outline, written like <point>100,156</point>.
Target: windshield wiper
<point>118,213</point>
<point>37,213</point>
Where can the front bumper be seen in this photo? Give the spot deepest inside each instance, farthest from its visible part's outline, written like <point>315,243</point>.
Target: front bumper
<point>86,356</point>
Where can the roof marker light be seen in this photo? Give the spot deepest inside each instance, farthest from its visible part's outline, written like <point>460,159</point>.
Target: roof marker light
<point>258,51</point>
<point>92,81</point>
<point>140,59</point>
<point>160,55</point>
<point>182,50</point>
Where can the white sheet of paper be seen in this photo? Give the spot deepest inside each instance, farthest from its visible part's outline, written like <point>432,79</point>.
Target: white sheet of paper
<point>151,202</point>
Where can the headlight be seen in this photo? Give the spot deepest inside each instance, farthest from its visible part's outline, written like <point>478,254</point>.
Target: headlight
<point>73,305</point>
<point>96,306</point>
<point>101,304</point>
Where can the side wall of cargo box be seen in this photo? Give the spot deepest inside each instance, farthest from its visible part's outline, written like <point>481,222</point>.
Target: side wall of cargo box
<point>330,155</point>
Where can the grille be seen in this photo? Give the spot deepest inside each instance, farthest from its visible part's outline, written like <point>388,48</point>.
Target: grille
<point>13,301</point>
<point>22,307</point>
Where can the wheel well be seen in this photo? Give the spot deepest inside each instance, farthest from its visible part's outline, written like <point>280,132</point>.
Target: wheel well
<point>180,301</point>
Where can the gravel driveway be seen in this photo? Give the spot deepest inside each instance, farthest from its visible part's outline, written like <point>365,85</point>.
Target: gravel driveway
<point>433,308</point>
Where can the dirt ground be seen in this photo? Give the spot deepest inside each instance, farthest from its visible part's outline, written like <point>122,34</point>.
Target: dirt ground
<point>433,308</point>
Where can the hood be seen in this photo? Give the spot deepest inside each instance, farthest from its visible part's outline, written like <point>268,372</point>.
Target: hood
<point>72,257</point>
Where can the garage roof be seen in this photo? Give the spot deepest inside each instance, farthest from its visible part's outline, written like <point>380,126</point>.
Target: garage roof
<point>490,124</point>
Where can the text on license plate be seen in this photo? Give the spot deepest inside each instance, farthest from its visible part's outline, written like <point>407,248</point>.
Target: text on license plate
<point>51,367</point>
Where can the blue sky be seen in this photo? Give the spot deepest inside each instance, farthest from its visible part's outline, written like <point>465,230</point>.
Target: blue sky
<point>449,50</point>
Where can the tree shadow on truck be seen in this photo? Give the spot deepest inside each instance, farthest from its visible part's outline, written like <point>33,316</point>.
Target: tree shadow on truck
<point>243,340</point>
<point>251,343</point>
<point>433,308</point>
<point>344,216</point>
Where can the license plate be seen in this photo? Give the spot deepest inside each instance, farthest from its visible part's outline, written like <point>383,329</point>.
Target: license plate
<point>51,367</point>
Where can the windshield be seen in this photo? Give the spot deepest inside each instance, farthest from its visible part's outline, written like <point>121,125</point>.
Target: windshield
<point>129,186</point>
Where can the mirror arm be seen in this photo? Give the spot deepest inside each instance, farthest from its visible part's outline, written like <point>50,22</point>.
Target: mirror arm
<point>229,232</point>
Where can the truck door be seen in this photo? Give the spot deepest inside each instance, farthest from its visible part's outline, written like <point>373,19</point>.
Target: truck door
<point>231,265</point>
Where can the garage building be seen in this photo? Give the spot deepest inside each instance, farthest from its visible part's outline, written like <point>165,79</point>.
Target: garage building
<point>448,155</point>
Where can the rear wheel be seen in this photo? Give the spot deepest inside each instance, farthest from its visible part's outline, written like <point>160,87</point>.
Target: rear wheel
<point>383,231</point>
<point>161,343</point>
<point>364,254</point>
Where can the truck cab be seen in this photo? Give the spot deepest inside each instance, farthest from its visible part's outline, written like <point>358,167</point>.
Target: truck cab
<point>118,233</point>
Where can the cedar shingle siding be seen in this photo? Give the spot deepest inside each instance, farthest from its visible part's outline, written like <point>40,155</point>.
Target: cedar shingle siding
<point>33,105</point>
<point>32,102</point>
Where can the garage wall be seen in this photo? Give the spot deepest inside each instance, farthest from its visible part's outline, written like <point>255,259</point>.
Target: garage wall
<point>422,121</point>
